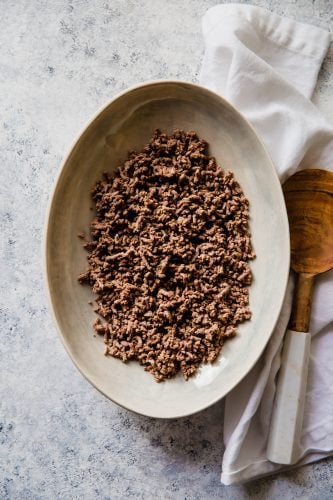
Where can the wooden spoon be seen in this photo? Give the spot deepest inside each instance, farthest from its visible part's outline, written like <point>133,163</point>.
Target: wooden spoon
<point>309,199</point>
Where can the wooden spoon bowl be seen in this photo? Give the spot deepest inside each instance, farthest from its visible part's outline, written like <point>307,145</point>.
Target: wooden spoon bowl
<point>308,195</point>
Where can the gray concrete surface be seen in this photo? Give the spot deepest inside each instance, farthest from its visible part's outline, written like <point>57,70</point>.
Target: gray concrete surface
<point>59,438</point>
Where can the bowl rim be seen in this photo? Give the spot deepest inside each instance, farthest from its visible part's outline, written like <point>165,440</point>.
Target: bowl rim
<point>46,237</point>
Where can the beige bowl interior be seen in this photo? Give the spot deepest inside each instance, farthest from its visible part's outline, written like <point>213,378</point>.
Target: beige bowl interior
<point>127,122</point>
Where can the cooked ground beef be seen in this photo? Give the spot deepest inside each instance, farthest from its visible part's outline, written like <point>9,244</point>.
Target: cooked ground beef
<point>168,256</point>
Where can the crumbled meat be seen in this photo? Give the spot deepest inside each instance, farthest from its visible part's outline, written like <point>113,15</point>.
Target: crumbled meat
<point>168,256</point>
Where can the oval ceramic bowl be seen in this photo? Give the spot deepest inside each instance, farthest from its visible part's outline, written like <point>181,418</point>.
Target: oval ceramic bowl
<point>128,122</point>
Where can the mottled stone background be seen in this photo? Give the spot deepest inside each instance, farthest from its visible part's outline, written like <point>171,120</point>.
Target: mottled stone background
<point>59,438</point>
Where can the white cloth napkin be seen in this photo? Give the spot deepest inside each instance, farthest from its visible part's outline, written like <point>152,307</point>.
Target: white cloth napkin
<point>267,66</point>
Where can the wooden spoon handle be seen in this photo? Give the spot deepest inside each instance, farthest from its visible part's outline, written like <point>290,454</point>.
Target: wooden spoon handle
<point>287,417</point>
<point>301,310</point>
